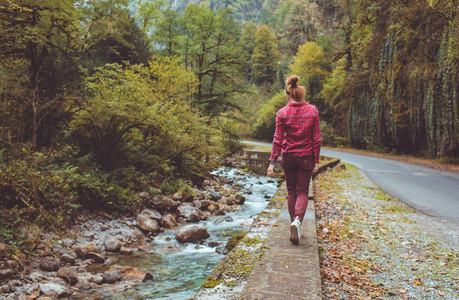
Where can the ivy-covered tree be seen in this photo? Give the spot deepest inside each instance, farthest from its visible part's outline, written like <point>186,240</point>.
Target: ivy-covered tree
<point>401,75</point>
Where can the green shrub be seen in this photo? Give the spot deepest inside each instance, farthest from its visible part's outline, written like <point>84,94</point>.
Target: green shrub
<point>329,138</point>
<point>266,123</point>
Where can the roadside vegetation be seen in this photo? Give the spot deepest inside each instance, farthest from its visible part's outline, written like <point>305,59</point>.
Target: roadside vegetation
<point>371,245</point>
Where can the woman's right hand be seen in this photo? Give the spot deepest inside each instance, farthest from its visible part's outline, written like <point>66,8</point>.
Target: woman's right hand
<point>315,169</point>
<point>271,171</point>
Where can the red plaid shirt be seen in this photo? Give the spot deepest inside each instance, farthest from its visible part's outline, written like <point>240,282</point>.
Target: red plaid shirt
<point>297,131</point>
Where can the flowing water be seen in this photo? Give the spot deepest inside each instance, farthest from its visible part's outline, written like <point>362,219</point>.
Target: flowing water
<point>179,270</point>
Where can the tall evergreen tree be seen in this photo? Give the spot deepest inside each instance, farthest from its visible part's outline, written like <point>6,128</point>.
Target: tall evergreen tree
<point>247,44</point>
<point>265,56</point>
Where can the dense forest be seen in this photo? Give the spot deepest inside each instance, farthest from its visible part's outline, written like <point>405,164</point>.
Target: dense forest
<point>102,99</point>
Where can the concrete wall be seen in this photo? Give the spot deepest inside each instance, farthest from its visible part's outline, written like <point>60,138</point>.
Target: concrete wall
<point>258,161</point>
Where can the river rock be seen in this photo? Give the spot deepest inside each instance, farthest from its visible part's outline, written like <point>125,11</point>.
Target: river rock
<point>182,197</point>
<point>147,224</point>
<point>4,248</point>
<point>13,264</point>
<point>187,197</point>
<point>163,203</point>
<point>169,221</point>
<point>5,289</point>
<point>218,212</point>
<point>67,243</point>
<point>143,195</point>
<point>204,215</point>
<point>192,233</point>
<point>130,273</point>
<point>125,250</point>
<point>54,289</point>
<point>177,197</point>
<point>205,203</point>
<point>97,279</point>
<point>92,248</point>
<point>112,244</point>
<point>144,247</point>
<point>68,274</point>
<point>69,257</point>
<point>200,196</point>
<point>153,214</point>
<point>6,273</point>
<point>81,251</point>
<point>37,276</point>
<point>238,199</point>
<point>136,236</point>
<point>112,277</point>
<point>189,213</point>
<point>96,257</point>
<point>224,208</point>
<point>104,227</point>
<point>215,196</point>
<point>83,284</point>
<point>226,201</point>
<point>50,263</point>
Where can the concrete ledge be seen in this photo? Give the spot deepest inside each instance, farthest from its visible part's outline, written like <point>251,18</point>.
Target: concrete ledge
<point>326,162</point>
<point>287,271</point>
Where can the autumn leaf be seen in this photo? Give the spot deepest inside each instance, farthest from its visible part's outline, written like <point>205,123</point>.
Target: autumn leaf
<point>417,282</point>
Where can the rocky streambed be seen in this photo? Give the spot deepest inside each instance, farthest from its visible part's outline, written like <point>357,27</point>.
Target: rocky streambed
<point>164,249</point>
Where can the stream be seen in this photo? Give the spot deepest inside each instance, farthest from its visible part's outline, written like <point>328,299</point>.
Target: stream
<point>179,270</point>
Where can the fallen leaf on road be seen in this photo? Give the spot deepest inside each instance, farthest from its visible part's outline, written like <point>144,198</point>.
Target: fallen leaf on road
<point>417,282</point>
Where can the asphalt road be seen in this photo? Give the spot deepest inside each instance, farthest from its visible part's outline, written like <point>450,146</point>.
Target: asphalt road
<point>433,192</point>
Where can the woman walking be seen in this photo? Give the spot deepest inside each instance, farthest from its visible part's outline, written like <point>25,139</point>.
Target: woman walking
<point>298,137</point>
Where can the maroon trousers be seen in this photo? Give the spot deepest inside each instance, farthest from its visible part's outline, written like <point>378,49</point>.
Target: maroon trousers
<point>298,171</point>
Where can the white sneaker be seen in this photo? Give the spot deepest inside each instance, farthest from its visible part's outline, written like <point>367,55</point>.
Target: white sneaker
<point>295,231</point>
